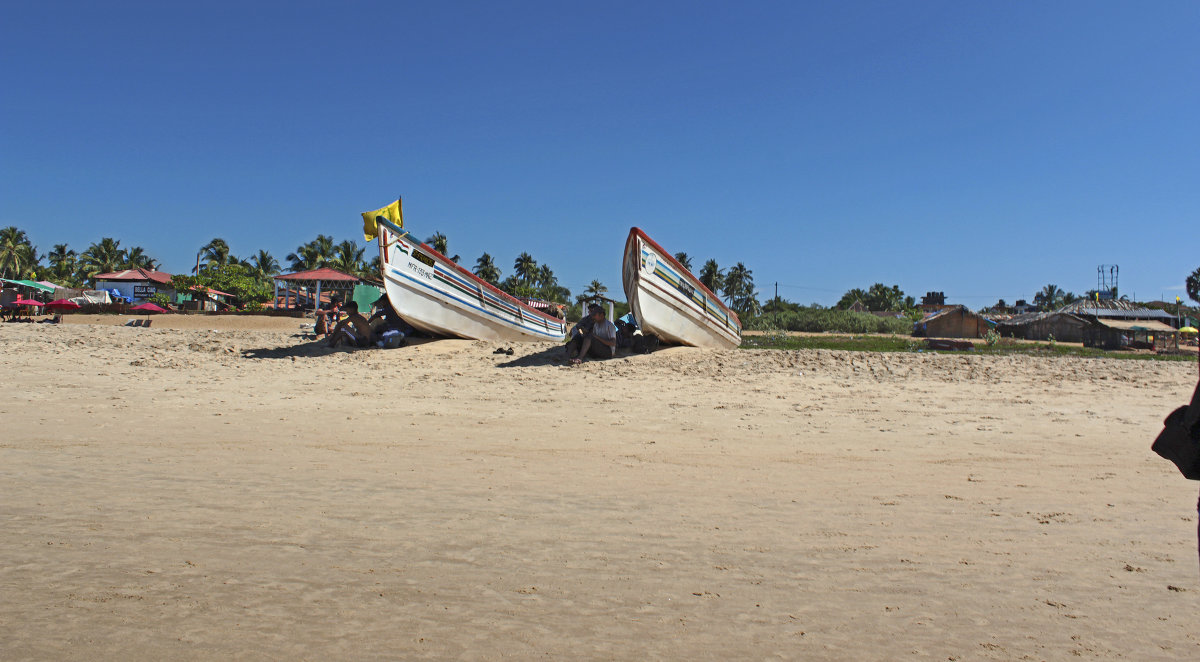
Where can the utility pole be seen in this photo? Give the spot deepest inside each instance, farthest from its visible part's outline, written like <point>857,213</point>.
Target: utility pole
<point>777,304</point>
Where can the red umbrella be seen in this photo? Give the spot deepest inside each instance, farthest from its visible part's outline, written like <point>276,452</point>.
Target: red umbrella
<point>27,302</point>
<point>65,304</point>
<point>149,308</point>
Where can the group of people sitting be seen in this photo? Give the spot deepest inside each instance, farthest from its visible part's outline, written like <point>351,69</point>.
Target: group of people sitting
<point>343,324</point>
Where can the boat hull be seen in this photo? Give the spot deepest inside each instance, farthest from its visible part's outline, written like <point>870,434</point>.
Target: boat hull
<point>435,295</point>
<point>669,302</point>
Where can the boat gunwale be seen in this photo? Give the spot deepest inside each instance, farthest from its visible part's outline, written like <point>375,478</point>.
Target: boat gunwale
<point>505,296</point>
<point>640,233</point>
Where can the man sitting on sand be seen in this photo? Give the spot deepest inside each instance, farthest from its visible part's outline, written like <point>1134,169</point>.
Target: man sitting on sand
<point>581,329</point>
<point>354,329</point>
<point>600,342</point>
<point>325,319</point>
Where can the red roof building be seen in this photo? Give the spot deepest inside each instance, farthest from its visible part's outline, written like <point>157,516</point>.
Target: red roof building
<point>130,275</point>
<point>323,274</point>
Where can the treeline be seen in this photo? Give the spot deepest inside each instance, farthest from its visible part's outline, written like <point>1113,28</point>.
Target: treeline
<point>20,259</point>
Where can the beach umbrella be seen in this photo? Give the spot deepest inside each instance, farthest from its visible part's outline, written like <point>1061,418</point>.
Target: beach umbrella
<point>1188,329</point>
<point>63,304</point>
<point>27,302</point>
<point>149,308</point>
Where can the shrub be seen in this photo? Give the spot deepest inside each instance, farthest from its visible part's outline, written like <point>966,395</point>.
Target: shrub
<point>829,320</point>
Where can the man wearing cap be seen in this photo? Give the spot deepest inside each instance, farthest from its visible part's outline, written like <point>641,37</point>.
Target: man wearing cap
<point>599,342</point>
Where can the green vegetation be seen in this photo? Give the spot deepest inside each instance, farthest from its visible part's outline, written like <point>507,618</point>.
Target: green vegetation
<point>1193,285</point>
<point>785,316</point>
<point>880,343</point>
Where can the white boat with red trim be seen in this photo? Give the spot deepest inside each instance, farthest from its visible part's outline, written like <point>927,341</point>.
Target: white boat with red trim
<point>439,297</point>
<point>671,303</point>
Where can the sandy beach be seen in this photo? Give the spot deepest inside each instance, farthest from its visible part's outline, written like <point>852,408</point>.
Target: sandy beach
<point>222,488</point>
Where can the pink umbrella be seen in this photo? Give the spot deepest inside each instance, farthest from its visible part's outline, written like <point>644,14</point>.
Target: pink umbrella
<point>149,308</point>
<point>65,304</point>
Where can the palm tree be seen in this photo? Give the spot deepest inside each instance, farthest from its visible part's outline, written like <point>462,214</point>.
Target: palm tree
<point>526,268</point>
<point>102,257</point>
<point>485,268</point>
<point>136,258</point>
<point>348,258</point>
<point>1192,285</point>
<point>313,255</point>
<point>441,244</point>
<point>1050,298</point>
<point>738,289</point>
<point>63,263</point>
<point>595,289</point>
<point>215,253</point>
<point>546,279</point>
<point>263,264</point>
<point>682,258</point>
<point>15,253</point>
<point>306,258</point>
<point>711,276</point>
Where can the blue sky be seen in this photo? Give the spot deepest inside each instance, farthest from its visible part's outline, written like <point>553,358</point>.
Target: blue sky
<point>980,149</point>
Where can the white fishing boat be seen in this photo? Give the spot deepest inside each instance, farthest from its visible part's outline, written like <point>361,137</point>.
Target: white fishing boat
<point>669,302</point>
<point>437,296</point>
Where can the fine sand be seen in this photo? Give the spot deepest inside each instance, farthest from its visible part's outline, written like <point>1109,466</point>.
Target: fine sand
<point>188,493</point>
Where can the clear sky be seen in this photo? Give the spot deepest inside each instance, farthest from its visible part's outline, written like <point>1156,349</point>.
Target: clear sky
<point>980,149</point>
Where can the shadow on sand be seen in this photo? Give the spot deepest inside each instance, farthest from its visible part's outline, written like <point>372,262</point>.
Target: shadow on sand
<point>553,356</point>
<point>305,348</point>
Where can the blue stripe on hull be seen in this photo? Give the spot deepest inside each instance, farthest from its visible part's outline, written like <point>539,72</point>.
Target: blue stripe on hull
<point>510,323</point>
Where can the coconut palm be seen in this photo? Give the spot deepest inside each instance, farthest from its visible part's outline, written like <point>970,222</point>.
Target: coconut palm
<point>313,255</point>
<point>63,263</point>
<point>595,289</point>
<point>17,255</point>
<point>215,253</point>
<point>348,258</point>
<point>136,258</point>
<point>1049,298</point>
<point>526,268</point>
<point>711,275</point>
<point>683,259</point>
<point>306,258</point>
<point>441,244</point>
<point>485,268</point>
<point>738,289</point>
<point>263,264</point>
<point>102,257</point>
<point>1192,283</point>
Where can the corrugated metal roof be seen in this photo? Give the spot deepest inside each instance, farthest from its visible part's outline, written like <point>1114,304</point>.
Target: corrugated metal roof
<point>135,274</point>
<point>1137,325</point>
<point>1135,313</point>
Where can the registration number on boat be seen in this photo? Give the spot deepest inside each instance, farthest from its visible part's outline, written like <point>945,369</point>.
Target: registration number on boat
<point>421,265</point>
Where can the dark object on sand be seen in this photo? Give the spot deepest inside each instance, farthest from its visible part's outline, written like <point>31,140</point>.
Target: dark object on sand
<point>947,345</point>
<point>1179,441</point>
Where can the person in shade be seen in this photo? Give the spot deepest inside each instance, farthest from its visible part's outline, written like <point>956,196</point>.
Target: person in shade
<point>600,342</point>
<point>354,329</point>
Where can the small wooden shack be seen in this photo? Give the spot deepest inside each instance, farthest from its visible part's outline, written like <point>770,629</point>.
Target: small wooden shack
<point>1064,327</point>
<point>953,322</point>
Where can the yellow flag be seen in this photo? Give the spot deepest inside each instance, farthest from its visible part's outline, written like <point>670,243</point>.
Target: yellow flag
<point>391,212</point>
